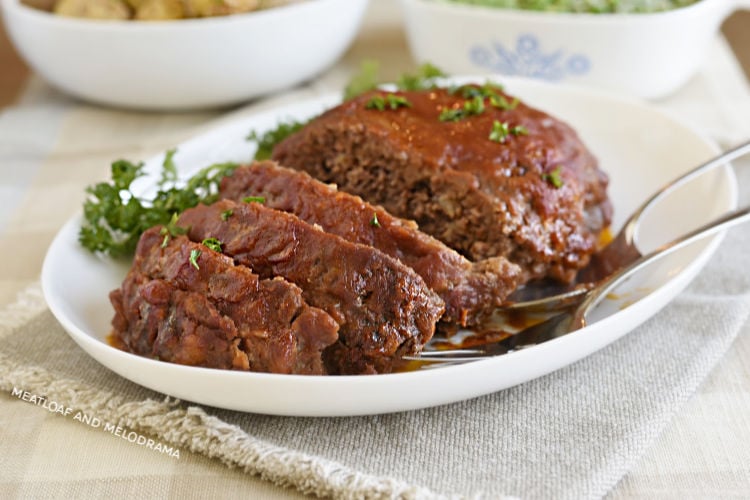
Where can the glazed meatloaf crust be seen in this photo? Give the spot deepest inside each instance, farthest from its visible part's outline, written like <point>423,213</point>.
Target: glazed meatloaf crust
<point>383,308</point>
<point>484,174</point>
<point>205,311</point>
<point>469,290</point>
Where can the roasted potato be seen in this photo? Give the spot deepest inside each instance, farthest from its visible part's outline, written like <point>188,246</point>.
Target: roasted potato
<point>93,9</point>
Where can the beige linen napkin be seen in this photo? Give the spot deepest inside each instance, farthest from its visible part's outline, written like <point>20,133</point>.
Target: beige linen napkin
<point>571,434</point>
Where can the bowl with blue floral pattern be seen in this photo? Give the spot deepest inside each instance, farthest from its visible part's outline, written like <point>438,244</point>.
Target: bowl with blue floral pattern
<point>644,48</point>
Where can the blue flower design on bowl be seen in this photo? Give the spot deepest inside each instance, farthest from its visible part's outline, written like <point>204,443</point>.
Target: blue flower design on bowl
<point>529,60</point>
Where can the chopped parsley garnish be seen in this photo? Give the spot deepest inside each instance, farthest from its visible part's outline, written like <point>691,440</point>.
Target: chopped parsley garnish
<point>171,229</point>
<point>466,91</point>
<point>451,114</point>
<point>267,140</point>
<point>367,79</point>
<point>212,243</point>
<point>473,106</point>
<point>554,177</point>
<point>474,103</point>
<point>114,217</point>
<point>387,101</point>
<point>376,102</point>
<point>501,130</point>
<point>194,254</point>
<point>469,91</point>
<point>374,222</point>
<point>226,214</point>
<point>254,199</point>
<point>492,88</point>
<point>519,130</point>
<point>500,102</point>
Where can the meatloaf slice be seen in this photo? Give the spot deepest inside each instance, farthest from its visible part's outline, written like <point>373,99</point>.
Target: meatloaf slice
<point>384,309</point>
<point>185,303</point>
<point>475,169</point>
<point>469,290</point>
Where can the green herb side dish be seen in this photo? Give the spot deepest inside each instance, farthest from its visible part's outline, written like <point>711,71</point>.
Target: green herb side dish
<point>584,6</point>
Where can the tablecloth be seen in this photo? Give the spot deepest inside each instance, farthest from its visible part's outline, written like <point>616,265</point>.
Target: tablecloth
<point>51,146</point>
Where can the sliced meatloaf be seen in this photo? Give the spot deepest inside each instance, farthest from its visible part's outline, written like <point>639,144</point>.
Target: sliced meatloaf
<point>477,170</point>
<point>185,303</point>
<point>383,308</point>
<point>469,290</point>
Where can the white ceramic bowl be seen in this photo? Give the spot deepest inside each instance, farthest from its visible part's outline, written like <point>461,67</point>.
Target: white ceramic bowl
<point>646,55</point>
<point>184,64</point>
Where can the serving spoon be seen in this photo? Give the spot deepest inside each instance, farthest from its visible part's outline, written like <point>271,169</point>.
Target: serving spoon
<point>574,317</point>
<point>619,253</point>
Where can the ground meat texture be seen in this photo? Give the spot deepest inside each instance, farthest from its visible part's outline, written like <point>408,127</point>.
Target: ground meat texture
<point>482,197</point>
<point>384,309</point>
<point>215,315</point>
<point>469,290</point>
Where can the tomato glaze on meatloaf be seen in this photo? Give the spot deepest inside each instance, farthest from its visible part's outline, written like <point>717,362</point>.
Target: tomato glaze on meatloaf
<point>476,169</point>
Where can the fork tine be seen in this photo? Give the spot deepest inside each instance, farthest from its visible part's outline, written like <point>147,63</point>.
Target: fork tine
<point>432,364</point>
<point>448,355</point>
<point>445,356</point>
<point>541,332</point>
<point>449,352</point>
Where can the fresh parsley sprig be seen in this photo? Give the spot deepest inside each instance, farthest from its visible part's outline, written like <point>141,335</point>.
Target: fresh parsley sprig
<point>115,217</point>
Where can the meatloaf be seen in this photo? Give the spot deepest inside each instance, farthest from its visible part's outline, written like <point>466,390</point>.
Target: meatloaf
<point>485,174</point>
<point>185,303</point>
<point>383,308</point>
<point>469,290</point>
